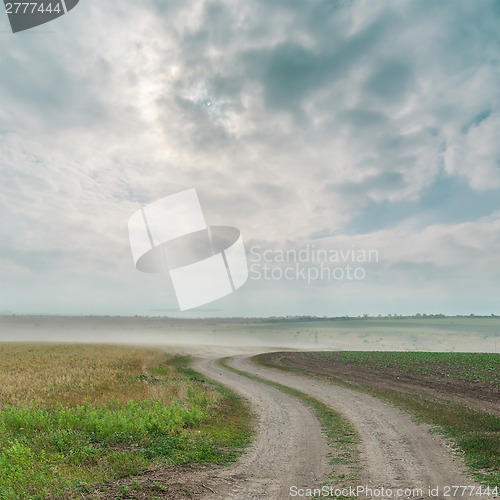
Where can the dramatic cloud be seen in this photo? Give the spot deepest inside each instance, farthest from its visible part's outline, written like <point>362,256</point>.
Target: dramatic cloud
<point>332,123</point>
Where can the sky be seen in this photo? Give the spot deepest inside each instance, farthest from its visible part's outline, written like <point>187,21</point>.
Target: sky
<point>353,143</point>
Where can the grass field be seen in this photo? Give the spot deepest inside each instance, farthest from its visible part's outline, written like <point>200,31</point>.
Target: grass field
<point>404,379</point>
<point>73,417</point>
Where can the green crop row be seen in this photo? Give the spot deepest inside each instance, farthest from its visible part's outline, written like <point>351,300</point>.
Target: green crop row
<point>474,367</point>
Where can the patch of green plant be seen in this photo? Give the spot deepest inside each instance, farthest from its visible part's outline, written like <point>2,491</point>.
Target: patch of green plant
<point>60,450</point>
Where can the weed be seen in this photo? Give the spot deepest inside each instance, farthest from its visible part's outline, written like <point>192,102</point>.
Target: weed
<point>135,485</point>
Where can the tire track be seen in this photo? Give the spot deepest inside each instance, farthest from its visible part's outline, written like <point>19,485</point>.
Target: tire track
<point>396,452</point>
<point>289,447</point>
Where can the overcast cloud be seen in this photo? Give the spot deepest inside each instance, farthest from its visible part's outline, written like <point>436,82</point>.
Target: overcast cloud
<point>332,123</point>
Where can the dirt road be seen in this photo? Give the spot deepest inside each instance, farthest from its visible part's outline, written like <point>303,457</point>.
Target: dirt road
<point>290,451</point>
<point>289,448</point>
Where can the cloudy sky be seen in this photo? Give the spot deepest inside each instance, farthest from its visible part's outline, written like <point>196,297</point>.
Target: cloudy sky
<point>334,125</point>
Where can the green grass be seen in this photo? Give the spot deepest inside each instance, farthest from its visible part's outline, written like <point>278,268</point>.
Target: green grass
<point>475,434</point>
<point>342,437</point>
<point>62,450</point>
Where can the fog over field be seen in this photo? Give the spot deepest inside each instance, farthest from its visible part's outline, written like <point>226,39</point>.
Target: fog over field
<point>232,335</point>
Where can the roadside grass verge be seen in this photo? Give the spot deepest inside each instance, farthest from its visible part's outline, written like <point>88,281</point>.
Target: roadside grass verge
<point>341,436</point>
<point>473,434</point>
<point>97,413</point>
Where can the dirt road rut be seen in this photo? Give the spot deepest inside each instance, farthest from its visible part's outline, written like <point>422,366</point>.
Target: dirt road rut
<point>289,448</point>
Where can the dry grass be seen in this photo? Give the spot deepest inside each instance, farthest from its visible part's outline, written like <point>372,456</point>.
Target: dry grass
<point>69,374</point>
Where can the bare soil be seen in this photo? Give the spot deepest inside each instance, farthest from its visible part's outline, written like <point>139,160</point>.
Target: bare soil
<point>479,395</point>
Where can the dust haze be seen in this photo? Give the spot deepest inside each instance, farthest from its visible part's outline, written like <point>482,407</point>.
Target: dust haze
<point>240,335</point>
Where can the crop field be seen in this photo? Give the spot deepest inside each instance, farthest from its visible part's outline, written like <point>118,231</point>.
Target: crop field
<point>457,392</point>
<point>472,378</point>
<point>436,366</point>
<point>75,417</point>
